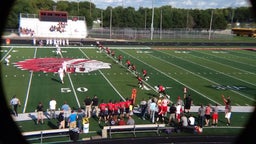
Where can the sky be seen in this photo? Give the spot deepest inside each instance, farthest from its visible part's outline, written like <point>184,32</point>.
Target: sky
<point>186,4</point>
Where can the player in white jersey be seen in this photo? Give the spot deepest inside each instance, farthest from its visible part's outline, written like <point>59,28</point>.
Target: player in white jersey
<point>58,49</point>
<point>64,66</point>
<point>61,75</point>
<point>7,59</point>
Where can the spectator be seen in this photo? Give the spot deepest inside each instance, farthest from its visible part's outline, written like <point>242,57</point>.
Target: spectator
<point>228,115</point>
<point>143,107</point>
<point>61,120</point>
<point>201,115</point>
<point>52,108</point>
<point>15,102</point>
<point>40,111</point>
<point>208,111</point>
<point>95,107</point>
<point>88,106</point>
<point>153,109</point>
<point>66,108</point>
<point>130,120</point>
<point>215,115</point>
<point>80,116</point>
<point>227,103</point>
<point>179,101</point>
<point>72,119</point>
<point>191,120</point>
<point>121,121</point>
<point>172,118</point>
<point>113,120</point>
<point>188,102</point>
<point>184,120</point>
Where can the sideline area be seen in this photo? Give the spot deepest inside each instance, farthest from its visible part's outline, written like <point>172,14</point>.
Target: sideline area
<point>33,115</point>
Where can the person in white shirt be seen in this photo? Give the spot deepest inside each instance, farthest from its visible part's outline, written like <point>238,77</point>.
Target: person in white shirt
<point>15,102</point>
<point>52,108</point>
<point>178,112</point>
<point>191,120</point>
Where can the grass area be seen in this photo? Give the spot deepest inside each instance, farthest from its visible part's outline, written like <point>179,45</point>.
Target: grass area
<point>206,74</point>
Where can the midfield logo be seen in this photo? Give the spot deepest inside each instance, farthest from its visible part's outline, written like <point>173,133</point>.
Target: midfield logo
<point>48,65</point>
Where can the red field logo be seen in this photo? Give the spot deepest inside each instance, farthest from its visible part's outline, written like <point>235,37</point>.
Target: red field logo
<point>53,64</point>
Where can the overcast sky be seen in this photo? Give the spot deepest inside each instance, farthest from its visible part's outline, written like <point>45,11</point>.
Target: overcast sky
<point>187,4</point>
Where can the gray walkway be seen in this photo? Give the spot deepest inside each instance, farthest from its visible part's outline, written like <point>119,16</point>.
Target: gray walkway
<point>32,115</point>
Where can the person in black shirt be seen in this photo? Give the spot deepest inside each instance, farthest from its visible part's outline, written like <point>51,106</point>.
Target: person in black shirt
<point>188,103</point>
<point>172,118</point>
<point>95,103</point>
<point>40,111</point>
<point>61,120</point>
<point>88,106</point>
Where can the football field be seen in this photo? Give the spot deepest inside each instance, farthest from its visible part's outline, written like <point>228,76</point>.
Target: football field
<point>206,73</point>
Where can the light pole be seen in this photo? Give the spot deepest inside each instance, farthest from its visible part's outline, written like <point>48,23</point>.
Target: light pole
<point>78,6</point>
<point>210,29</point>
<point>110,24</point>
<point>152,22</point>
<point>161,23</point>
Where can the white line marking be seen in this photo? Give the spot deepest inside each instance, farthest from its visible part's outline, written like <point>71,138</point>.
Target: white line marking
<point>105,78</point>
<point>29,85</point>
<point>174,78</point>
<point>200,76</point>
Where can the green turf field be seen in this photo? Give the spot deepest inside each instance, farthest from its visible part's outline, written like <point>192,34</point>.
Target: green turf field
<point>207,73</point>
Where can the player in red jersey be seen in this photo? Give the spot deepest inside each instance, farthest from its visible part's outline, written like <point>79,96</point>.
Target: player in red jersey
<point>120,58</point>
<point>161,90</point>
<point>116,108</point>
<point>110,109</point>
<point>122,106</point>
<point>145,74</point>
<point>127,107</point>
<point>140,82</point>
<point>103,112</point>
<point>128,64</point>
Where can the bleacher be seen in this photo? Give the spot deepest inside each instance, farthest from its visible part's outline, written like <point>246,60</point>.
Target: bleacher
<point>31,26</point>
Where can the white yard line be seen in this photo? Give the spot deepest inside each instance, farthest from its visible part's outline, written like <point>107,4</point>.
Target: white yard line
<point>106,78</point>
<point>213,70</point>
<point>29,85</point>
<point>6,54</point>
<point>73,88</point>
<point>206,78</point>
<point>174,78</point>
<point>222,63</point>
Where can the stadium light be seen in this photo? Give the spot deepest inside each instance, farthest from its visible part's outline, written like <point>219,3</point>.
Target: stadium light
<point>152,22</point>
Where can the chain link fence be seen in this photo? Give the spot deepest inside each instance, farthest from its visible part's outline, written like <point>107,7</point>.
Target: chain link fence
<point>158,34</point>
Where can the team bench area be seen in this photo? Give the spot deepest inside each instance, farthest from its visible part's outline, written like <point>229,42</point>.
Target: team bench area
<point>109,130</point>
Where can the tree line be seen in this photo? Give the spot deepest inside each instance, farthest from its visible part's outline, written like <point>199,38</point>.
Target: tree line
<point>165,17</point>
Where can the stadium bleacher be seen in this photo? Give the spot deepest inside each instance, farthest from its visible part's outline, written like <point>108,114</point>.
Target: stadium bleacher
<point>32,26</point>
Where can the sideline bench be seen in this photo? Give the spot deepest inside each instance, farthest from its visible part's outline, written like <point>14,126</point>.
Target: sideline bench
<point>109,130</point>
<point>43,134</point>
